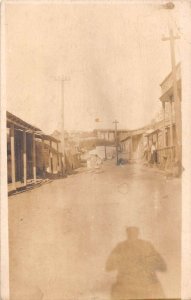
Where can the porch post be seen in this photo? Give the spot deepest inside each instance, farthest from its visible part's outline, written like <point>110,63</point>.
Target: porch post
<point>50,158</point>
<point>24,158</point>
<point>43,158</point>
<point>171,125</point>
<point>34,157</point>
<point>148,152</point>
<point>12,134</point>
<point>58,159</point>
<point>157,138</point>
<point>164,126</point>
<point>148,141</point>
<point>131,147</point>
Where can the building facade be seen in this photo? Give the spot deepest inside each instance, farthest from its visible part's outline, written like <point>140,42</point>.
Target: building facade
<point>31,155</point>
<point>170,151</point>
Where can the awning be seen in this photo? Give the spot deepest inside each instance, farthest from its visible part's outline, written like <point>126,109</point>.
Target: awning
<point>12,119</point>
<point>125,139</point>
<point>28,128</point>
<point>151,131</point>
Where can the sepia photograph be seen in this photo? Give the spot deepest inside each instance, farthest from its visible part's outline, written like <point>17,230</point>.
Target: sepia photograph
<point>95,150</point>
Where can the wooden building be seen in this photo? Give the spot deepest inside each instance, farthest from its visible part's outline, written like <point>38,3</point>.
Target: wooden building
<point>71,150</point>
<point>109,134</point>
<point>132,146</point>
<point>30,153</point>
<point>171,128</point>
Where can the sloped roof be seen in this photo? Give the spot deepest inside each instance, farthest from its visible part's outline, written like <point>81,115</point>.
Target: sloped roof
<point>12,119</point>
<point>170,74</point>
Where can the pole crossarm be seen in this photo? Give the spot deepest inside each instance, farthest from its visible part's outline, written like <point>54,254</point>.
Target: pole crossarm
<point>169,38</point>
<point>62,78</point>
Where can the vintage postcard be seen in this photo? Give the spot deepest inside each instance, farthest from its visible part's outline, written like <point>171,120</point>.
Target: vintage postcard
<point>95,150</point>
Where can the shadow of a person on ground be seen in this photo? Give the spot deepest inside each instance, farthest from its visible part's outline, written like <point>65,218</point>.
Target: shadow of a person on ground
<point>136,262</point>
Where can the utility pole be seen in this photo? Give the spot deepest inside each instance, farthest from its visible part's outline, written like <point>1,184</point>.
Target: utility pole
<point>116,141</point>
<point>105,146</point>
<point>177,103</point>
<point>63,80</point>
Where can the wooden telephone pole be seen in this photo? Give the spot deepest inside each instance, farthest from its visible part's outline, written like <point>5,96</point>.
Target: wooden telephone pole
<point>63,80</point>
<point>116,141</point>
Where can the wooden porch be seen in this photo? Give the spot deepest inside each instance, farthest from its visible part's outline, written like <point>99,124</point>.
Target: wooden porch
<point>23,154</point>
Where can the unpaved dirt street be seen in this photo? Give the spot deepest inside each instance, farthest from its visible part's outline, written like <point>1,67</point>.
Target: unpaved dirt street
<point>62,233</point>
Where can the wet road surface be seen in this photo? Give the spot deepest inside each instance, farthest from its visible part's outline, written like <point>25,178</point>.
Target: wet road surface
<point>62,233</point>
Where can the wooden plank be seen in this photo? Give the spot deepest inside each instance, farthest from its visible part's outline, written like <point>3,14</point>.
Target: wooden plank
<point>34,157</point>
<point>58,159</point>
<point>50,158</point>
<point>164,126</point>
<point>24,159</point>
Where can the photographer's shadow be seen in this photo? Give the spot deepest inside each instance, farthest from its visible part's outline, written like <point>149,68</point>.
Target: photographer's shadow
<point>136,262</point>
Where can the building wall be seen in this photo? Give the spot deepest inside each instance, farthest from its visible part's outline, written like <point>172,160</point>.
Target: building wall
<point>126,148</point>
<point>168,82</point>
<point>47,159</point>
<point>137,147</point>
<point>133,147</point>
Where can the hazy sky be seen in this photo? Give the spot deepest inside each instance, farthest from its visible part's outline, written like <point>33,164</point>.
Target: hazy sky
<point>112,53</point>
